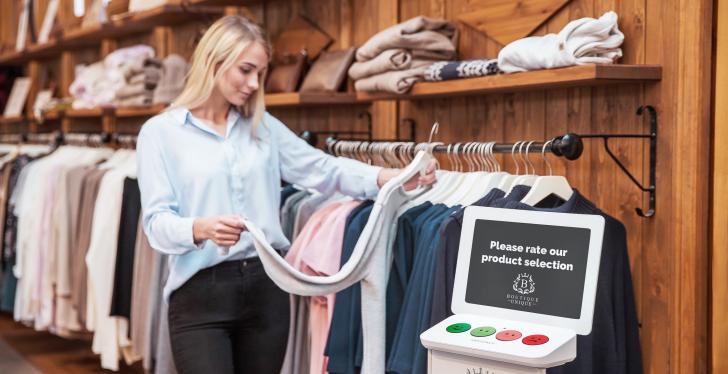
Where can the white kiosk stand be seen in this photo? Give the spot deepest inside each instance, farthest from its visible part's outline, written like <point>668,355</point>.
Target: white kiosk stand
<point>525,285</point>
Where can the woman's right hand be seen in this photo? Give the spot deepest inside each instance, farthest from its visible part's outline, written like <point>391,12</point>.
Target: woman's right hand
<point>221,230</point>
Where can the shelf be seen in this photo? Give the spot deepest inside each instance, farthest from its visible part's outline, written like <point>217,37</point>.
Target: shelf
<point>149,111</point>
<point>583,75</point>
<point>11,119</point>
<point>305,99</point>
<point>131,23</point>
<point>120,26</point>
<point>84,113</point>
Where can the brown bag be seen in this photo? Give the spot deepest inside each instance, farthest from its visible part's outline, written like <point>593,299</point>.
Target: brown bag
<point>301,33</point>
<point>286,75</point>
<point>329,71</point>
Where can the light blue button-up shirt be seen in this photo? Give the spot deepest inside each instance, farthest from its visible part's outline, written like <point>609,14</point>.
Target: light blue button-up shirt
<point>187,170</point>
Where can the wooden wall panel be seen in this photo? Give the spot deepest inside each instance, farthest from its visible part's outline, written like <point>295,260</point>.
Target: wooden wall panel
<point>719,201</point>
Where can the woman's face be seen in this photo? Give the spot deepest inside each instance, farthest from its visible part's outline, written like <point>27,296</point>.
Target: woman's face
<point>241,81</point>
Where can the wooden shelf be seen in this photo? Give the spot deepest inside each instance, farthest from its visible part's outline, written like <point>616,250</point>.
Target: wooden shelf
<point>306,99</point>
<point>583,75</point>
<point>132,23</point>
<point>120,26</point>
<point>11,119</point>
<point>149,111</point>
<point>84,113</point>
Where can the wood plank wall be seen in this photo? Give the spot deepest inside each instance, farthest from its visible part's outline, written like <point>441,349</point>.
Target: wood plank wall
<point>719,201</point>
<point>668,253</point>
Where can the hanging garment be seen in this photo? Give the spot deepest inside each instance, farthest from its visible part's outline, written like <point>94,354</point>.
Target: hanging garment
<point>144,294</point>
<point>448,70</point>
<point>406,356</point>
<point>613,345</point>
<point>318,252</point>
<point>583,41</point>
<point>9,283</point>
<point>121,299</point>
<point>79,276</point>
<point>110,333</point>
<point>369,263</point>
<point>345,338</point>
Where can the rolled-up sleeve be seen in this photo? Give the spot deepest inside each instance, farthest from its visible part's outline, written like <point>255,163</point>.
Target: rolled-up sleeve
<point>310,167</point>
<point>167,231</point>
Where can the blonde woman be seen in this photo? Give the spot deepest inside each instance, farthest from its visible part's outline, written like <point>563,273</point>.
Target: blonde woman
<point>215,156</point>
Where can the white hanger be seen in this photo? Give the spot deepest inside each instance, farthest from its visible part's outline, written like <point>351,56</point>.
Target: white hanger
<point>526,179</point>
<point>470,180</point>
<point>545,186</point>
<point>507,180</point>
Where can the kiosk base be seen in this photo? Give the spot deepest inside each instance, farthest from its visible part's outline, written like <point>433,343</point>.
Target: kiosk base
<point>440,362</point>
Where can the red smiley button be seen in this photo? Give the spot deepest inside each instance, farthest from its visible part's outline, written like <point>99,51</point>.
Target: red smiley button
<point>508,335</point>
<point>535,339</point>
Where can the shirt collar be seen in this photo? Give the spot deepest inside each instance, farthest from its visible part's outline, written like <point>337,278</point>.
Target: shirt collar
<point>184,116</point>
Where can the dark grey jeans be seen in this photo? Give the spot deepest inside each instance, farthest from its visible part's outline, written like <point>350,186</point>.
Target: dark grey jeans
<point>230,318</point>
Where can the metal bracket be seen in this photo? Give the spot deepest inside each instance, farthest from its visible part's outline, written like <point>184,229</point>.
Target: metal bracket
<point>653,158</point>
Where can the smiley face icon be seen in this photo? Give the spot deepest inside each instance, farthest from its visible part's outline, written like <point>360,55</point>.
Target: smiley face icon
<point>482,332</point>
<point>535,339</point>
<point>508,335</point>
<point>456,328</point>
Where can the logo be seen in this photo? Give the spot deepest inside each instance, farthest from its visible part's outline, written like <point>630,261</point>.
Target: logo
<point>524,284</point>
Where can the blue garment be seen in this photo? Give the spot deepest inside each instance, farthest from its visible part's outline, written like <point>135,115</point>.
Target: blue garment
<point>345,331</point>
<point>407,352</point>
<point>447,255</point>
<point>188,170</point>
<point>613,346</point>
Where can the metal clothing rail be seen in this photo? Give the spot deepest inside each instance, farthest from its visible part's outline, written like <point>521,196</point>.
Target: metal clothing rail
<point>569,146</point>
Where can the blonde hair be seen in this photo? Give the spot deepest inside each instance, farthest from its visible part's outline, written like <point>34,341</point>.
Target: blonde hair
<point>216,52</point>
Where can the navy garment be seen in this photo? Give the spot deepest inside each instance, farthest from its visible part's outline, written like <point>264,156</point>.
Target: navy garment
<point>408,355</point>
<point>131,207</point>
<point>286,192</point>
<point>345,330</point>
<point>447,256</point>
<point>613,347</point>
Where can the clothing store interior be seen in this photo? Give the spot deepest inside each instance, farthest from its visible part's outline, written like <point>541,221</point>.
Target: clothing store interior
<point>363,186</point>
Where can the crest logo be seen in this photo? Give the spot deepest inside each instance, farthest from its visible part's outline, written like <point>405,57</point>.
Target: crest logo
<point>524,284</point>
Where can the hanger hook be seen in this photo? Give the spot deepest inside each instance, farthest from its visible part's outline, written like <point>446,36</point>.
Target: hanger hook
<point>513,156</point>
<point>543,155</point>
<point>433,131</point>
<point>528,159</point>
<point>491,155</point>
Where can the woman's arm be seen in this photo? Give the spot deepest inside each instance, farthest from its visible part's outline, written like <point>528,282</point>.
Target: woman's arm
<point>310,167</point>
<point>167,231</point>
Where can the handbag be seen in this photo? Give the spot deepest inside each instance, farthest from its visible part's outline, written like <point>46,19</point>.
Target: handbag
<point>329,71</point>
<point>286,75</point>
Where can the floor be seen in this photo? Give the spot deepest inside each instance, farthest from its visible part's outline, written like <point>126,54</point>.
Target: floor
<point>24,350</point>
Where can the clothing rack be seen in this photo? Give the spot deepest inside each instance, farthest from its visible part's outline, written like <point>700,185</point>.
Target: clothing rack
<point>569,146</point>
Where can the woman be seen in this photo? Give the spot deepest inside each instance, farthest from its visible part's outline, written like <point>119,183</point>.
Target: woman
<point>212,158</point>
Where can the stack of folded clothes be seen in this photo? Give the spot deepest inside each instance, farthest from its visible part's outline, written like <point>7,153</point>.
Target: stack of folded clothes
<point>396,58</point>
<point>172,81</point>
<point>109,82</point>
<point>141,78</point>
<point>582,41</point>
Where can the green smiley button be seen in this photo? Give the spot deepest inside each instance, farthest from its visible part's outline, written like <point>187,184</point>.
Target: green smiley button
<point>458,327</point>
<point>483,331</point>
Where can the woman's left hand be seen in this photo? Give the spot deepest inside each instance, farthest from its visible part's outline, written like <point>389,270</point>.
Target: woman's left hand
<point>424,179</point>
